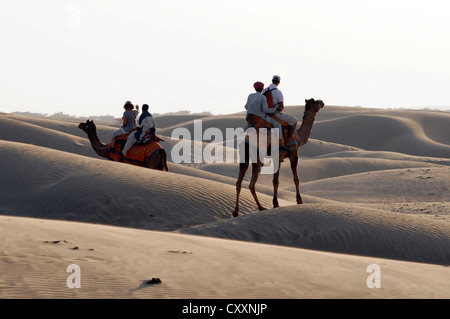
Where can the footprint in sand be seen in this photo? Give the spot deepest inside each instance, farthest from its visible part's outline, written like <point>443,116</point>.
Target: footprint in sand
<point>55,241</point>
<point>179,252</point>
<point>66,242</point>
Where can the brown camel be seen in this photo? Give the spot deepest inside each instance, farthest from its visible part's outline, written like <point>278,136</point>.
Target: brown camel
<point>157,161</point>
<point>311,109</point>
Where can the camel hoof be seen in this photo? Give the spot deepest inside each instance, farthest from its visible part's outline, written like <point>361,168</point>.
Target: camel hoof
<point>262,208</point>
<point>235,213</point>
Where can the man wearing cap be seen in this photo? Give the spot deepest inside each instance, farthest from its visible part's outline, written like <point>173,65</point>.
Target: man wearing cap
<point>278,104</point>
<point>257,105</point>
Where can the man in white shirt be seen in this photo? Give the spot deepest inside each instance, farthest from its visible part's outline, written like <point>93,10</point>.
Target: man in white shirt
<point>278,103</point>
<point>146,122</point>
<point>257,105</point>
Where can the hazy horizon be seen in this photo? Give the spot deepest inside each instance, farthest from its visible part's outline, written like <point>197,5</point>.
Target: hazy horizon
<point>87,58</point>
<point>188,112</point>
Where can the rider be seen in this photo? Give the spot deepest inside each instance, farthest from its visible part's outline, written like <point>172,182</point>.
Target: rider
<point>128,122</point>
<point>278,102</point>
<point>257,105</point>
<point>146,122</point>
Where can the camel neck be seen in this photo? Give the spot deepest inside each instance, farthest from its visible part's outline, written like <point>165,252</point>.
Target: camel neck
<point>305,129</point>
<point>100,148</point>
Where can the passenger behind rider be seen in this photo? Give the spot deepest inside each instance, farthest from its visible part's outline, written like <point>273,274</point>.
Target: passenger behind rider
<point>257,105</point>
<point>128,122</point>
<point>146,122</point>
<point>278,102</point>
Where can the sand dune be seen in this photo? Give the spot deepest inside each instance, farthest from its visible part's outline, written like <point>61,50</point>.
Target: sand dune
<point>173,121</point>
<point>434,124</point>
<point>381,133</point>
<point>18,131</point>
<point>321,168</point>
<point>263,187</point>
<point>399,185</point>
<point>321,148</point>
<point>67,125</point>
<point>342,229</point>
<point>375,184</point>
<point>388,156</point>
<point>221,122</point>
<point>431,210</point>
<point>43,183</point>
<point>116,262</point>
<point>40,131</point>
<point>316,169</point>
<point>43,126</point>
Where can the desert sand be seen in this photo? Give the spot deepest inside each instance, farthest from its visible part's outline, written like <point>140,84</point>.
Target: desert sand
<point>375,183</point>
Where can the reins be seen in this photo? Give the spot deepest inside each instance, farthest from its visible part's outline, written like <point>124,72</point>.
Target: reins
<point>310,114</point>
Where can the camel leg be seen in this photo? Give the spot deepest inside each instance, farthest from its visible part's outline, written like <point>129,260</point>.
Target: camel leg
<point>112,144</point>
<point>294,162</point>
<point>159,161</point>
<point>256,169</point>
<point>242,171</point>
<point>276,182</point>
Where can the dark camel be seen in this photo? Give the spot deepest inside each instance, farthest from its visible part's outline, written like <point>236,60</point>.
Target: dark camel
<point>158,161</point>
<point>311,109</point>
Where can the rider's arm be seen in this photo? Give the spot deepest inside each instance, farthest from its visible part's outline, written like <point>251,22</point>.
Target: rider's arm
<point>265,107</point>
<point>248,102</point>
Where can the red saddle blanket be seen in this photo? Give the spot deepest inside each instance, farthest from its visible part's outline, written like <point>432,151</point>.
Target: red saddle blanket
<point>138,154</point>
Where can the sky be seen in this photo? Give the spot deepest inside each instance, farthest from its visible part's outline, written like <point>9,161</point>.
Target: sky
<point>88,57</point>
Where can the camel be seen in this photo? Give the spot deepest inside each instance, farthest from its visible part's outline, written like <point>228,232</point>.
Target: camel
<point>158,159</point>
<point>311,108</point>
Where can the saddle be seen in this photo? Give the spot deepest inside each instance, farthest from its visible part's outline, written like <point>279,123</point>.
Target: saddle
<point>141,152</point>
<point>258,122</point>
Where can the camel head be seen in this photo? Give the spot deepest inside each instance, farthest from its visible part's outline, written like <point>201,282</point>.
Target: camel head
<point>89,128</point>
<point>313,106</point>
